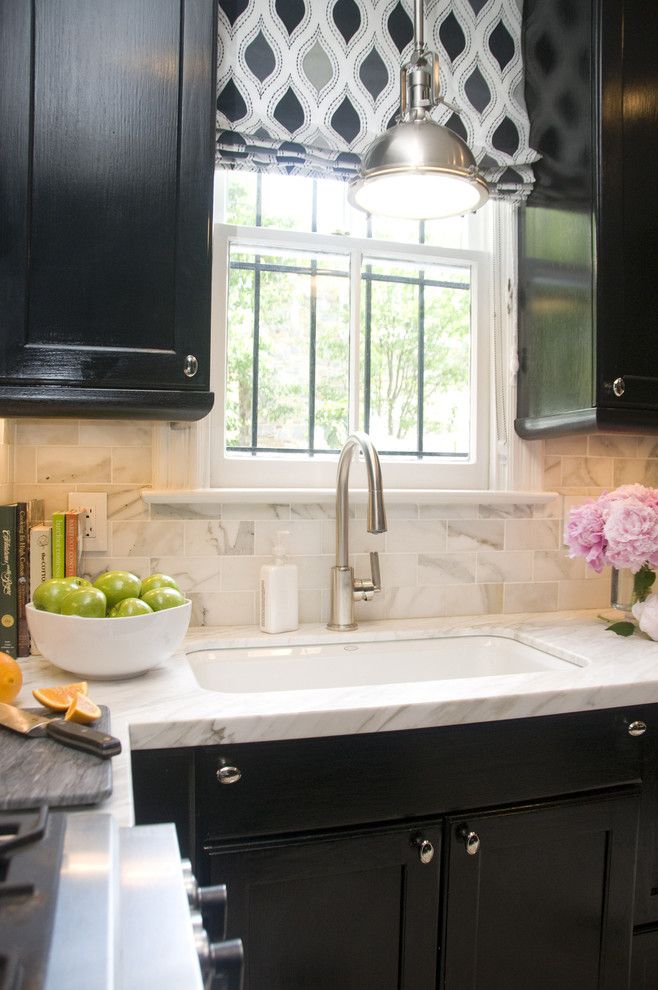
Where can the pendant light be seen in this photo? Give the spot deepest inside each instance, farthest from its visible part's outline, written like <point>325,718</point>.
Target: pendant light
<point>418,169</point>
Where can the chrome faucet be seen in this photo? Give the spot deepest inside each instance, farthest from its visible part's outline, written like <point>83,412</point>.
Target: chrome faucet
<point>345,589</point>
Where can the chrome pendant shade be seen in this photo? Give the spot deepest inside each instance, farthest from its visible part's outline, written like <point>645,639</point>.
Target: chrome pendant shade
<point>418,169</point>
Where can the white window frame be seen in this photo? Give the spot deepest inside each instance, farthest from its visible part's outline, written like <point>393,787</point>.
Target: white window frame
<point>183,452</point>
<point>279,471</point>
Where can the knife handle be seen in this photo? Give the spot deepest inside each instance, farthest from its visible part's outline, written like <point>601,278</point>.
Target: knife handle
<point>84,738</point>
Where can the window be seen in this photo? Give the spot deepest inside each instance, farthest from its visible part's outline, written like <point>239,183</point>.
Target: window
<point>329,321</point>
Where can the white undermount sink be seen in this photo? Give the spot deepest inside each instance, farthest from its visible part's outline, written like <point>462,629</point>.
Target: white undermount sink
<point>341,665</point>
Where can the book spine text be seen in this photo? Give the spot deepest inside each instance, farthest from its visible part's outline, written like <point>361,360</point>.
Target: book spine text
<point>59,544</point>
<point>8,593</point>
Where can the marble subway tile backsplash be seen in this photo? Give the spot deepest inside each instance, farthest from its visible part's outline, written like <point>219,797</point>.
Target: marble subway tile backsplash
<point>453,559</point>
<point>456,560</point>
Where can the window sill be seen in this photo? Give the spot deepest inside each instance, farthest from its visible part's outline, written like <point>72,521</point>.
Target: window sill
<point>295,496</point>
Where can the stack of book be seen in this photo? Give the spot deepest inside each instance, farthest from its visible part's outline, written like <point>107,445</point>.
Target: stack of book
<point>32,552</point>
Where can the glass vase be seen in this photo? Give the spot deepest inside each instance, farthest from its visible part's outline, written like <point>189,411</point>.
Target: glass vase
<point>627,588</point>
<point>621,589</point>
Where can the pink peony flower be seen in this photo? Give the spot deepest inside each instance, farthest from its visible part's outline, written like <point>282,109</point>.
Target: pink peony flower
<point>648,496</point>
<point>647,615</point>
<point>584,535</point>
<point>631,533</point>
<point>620,528</point>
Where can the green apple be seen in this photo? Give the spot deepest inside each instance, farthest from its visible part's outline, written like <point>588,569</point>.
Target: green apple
<point>50,594</point>
<point>158,581</point>
<point>117,585</point>
<point>130,606</point>
<point>87,602</point>
<point>159,598</point>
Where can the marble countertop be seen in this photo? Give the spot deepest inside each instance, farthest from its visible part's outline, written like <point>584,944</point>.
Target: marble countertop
<point>166,708</point>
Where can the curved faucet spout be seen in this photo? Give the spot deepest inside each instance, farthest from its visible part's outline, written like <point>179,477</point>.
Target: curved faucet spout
<point>345,590</point>
<point>376,511</point>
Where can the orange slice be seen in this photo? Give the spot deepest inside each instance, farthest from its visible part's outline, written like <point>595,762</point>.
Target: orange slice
<point>82,709</point>
<point>59,698</point>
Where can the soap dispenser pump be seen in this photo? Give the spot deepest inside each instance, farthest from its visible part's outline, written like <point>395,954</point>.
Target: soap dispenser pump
<point>279,597</point>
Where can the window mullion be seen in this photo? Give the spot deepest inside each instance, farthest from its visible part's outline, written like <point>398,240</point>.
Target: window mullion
<point>421,360</point>
<point>255,357</point>
<point>313,329</point>
<point>356,258</point>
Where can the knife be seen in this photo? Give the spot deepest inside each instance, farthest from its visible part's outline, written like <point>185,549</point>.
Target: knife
<point>68,733</point>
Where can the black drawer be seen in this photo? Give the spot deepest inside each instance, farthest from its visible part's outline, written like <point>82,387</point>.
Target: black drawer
<point>339,781</point>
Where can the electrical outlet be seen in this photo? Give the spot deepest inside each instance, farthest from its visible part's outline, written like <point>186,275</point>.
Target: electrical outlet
<point>95,526</point>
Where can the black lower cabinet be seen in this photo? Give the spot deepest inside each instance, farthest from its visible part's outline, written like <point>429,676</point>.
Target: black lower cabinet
<point>357,911</point>
<point>541,897</point>
<point>529,884</point>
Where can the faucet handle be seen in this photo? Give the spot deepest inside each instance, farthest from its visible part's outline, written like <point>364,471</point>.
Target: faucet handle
<point>375,572</point>
<point>364,588</point>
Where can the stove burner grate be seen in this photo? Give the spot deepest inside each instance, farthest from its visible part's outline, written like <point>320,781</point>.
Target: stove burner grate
<point>30,859</point>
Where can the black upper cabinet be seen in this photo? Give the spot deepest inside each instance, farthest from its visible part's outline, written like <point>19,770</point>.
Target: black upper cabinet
<point>588,238</point>
<point>106,168</point>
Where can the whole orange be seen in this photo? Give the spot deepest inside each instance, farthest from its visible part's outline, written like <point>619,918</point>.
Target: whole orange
<point>11,678</point>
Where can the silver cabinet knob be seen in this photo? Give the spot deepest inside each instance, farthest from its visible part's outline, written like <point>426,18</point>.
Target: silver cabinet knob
<point>471,840</point>
<point>425,850</point>
<point>619,387</point>
<point>190,366</point>
<point>637,728</point>
<point>228,775</point>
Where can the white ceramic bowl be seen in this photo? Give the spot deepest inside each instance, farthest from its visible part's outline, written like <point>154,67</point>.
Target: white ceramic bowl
<point>108,648</point>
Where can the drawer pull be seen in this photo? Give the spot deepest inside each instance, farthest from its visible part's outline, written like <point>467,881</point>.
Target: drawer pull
<point>190,366</point>
<point>425,850</point>
<point>637,728</point>
<point>228,775</point>
<point>471,840</point>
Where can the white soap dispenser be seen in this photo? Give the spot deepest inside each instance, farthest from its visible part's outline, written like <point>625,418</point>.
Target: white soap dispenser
<point>279,599</point>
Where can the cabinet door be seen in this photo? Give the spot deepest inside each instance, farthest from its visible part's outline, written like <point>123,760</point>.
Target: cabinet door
<point>628,288</point>
<point>545,900</point>
<point>646,893</point>
<point>644,972</point>
<point>106,167</point>
<point>357,912</point>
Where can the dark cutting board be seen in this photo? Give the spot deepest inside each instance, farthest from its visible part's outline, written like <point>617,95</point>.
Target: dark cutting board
<point>42,771</point>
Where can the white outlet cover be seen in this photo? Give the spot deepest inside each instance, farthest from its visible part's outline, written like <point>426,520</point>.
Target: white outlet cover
<point>97,502</point>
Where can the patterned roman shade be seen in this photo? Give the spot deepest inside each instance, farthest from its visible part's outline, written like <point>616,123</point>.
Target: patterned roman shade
<point>306,85</point>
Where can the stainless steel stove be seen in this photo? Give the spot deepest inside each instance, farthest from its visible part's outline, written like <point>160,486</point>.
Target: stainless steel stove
<point>86,905</point>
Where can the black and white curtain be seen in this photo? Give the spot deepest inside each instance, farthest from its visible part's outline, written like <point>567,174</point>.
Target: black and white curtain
<point>306,85</point>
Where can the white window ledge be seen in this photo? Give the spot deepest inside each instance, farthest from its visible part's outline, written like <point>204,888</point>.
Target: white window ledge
<point>290,496</point>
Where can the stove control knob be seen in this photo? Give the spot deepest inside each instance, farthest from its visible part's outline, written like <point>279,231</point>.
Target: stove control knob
<point>227,961</point>
<point>211,901</point>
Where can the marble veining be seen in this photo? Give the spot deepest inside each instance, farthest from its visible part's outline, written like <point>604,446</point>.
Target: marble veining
<point>166,708</point>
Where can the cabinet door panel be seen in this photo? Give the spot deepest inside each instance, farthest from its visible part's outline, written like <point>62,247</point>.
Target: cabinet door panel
<point>359,912</point>
<point>547,900</point>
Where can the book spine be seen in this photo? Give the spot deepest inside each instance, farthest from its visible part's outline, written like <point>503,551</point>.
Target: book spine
<point>35,512</point>
<point>71,542</point>
<point>41,559</point>
<point>59,544</point>
<point>8,595</point>
<point>22,579</point>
